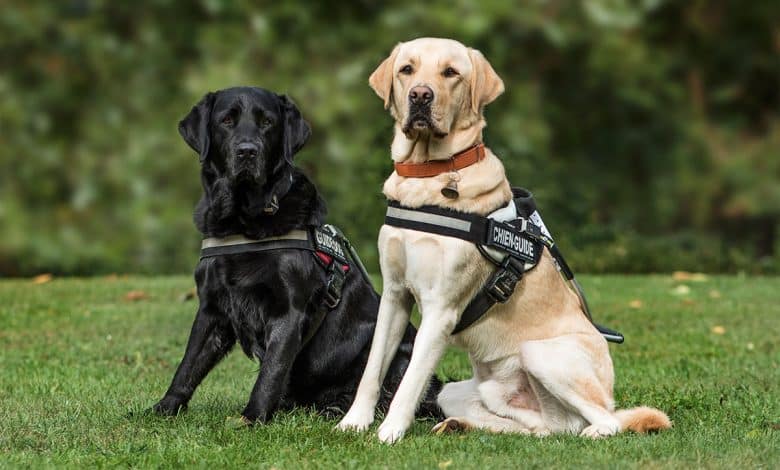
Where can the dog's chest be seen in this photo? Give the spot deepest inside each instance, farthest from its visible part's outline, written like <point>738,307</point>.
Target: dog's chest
<point>245,296</point>
<point>247,316</point>
<point>435,268</point>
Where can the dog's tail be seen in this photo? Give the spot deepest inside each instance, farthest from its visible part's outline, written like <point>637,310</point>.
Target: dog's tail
<point>642,419</point>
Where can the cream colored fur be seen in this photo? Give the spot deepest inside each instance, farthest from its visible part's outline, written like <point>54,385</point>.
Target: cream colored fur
<point>539,365</point>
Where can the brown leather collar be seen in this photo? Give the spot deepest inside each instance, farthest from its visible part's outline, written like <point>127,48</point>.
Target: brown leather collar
<point>456,162</point>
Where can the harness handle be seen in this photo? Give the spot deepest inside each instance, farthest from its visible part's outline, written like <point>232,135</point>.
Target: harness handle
<point>339,235</point>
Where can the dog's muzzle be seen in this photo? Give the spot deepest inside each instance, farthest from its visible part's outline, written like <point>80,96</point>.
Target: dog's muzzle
<point>248,163</point>
<point>419,119</point>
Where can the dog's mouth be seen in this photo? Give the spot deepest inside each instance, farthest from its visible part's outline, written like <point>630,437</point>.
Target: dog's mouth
<point>419,121</point>
<point>244,172</point>
<point>247,174</point>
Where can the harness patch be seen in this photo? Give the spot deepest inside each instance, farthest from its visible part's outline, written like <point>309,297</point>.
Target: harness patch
<point>328,244</point>
<point>508,238</point>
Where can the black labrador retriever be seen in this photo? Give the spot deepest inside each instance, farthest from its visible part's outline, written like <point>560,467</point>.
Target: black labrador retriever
<point>272,302</point>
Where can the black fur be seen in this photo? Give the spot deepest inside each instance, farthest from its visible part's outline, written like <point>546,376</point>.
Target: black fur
<point>268,301</point>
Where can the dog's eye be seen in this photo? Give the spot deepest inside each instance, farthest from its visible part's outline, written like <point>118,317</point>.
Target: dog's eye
<point>406,70</point>
<point>227,120</point>
<point>265,122</point>
<point>450,72</point>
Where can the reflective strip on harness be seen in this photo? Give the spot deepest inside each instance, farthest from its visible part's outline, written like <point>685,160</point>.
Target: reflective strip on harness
<point>425,218</point>
<point>231,240</point>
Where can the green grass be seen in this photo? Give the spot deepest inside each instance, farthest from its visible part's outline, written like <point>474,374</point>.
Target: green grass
<point>76,357</point>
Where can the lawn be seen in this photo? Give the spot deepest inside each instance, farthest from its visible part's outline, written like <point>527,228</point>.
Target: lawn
<point>79,354</point>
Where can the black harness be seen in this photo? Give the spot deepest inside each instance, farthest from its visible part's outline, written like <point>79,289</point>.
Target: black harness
<point>520,240</point>
<point>328,245</point>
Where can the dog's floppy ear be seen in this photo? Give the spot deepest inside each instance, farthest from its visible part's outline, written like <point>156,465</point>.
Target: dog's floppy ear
<point>296,129</point>
<point>194,128</point>
<point>382,78</point>
<point>486,85</point>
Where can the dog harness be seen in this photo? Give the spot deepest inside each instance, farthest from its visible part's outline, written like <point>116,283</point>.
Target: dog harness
<point>327,243</point>
<point>512,238</point>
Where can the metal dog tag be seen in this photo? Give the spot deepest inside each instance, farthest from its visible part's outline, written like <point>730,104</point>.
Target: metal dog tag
<point>273,206</point>
<point>451,190</point>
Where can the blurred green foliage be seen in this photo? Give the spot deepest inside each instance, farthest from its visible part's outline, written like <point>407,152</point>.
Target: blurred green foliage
<point>647,129</point>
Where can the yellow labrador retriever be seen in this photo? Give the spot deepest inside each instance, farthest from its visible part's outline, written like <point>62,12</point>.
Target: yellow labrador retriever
<point>539,365</point>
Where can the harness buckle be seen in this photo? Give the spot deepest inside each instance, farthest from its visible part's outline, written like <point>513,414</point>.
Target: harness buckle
<point>523,223</point>
<point>334,285</point>
<point>501,285</point>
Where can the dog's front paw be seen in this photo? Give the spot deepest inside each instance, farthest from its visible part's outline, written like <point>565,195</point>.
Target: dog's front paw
<point>356,420</point>
<point>599,430</point>
<point>252,415</point>
<point>169,406</point>
<point>391,431</point>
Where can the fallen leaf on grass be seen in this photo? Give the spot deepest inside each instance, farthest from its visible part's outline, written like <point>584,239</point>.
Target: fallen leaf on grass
<point>688,302</point>
<point>636,303</point>
<point>189,295</point>
<point>237,422</point>
<point>714,294</point>
<point>682,289</point>
<point>718,330</point>
<point>445,464</point>
<point>136,295</point>
<point>686,276</point>
<point>42,278</point>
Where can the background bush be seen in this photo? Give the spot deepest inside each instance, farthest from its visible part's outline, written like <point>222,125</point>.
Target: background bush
<point>647,129</point>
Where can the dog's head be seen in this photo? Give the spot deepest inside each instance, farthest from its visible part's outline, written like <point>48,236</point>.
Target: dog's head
<point>245,134</point>
<point>434,86</point>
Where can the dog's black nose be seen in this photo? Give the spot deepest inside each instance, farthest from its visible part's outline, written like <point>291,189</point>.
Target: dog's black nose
<point>421,95</point>
<point>246,150</point>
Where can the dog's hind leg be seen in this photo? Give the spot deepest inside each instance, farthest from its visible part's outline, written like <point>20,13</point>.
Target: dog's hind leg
<point>394,310</point>
<point>210,340</point>
<point>578,382</point>
<point>498,397</point>
<point>463,406</point>
<point>435,328</point>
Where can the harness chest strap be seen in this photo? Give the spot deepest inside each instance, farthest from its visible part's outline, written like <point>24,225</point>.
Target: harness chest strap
<point>318,240</point>
<point>522,239</point>
<point>521,243</point>
<point>328,245</point>
<point>234,244</point>
<point>470,227</point>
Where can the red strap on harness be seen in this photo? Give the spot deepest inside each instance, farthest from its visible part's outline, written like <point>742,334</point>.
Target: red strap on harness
<point>327,259</point>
